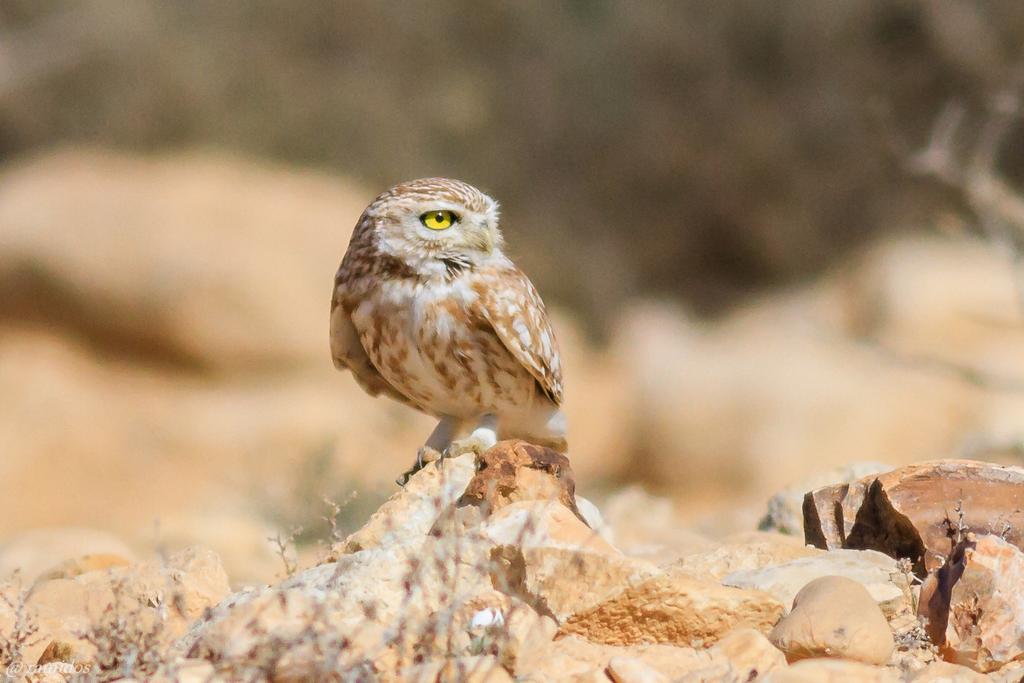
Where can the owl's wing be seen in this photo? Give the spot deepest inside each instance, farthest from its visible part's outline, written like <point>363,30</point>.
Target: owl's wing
<point>348,354</point>
<point>512,307</point>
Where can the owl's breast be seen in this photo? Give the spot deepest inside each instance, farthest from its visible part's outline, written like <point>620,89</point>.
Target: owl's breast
<point>424,342</point>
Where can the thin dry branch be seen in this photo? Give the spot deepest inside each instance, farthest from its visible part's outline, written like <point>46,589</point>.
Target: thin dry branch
<point>997,207</point>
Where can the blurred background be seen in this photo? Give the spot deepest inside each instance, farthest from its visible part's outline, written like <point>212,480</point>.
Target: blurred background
<point>777,238</point>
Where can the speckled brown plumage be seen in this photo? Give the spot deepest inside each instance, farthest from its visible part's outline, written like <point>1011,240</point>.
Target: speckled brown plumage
<point>443,321</point>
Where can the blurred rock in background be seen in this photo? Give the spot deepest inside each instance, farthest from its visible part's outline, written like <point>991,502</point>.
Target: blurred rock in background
<point>691,149</point>
<point>164,371</point>
<point>777,239</point>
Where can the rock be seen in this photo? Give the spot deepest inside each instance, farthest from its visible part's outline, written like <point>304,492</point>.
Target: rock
<point>914,650</point>
<point>476,669</point>
<point>241,539</point>
<point>905,513</point>
<point>32,553</point>
<point>749,652</point>
<point>878,573</point>
<point>834,616</point>
<point>674,609</point>
<point>633,670</point>
<point>546,556</point>
<point>831,671</point>
<point>944,672</point>
<point>728,558</point>
<point>544,524</point>
<point>647,527</point>
<point>404,601</point>
<point>976,612</point>
<point>785,508</point>
<point>516,470</point>
<point>184,671</point>
<point>286,630</point>
<point>759,536</point>
<point>157,600</point>
<point>574,658</point>
<point>594,519</point>
<point>1011,673</point>
<point>524,631</point>
<point>408,515</point>
<point>82,565</point>
<point>156,290</point>
<point>809,394</point>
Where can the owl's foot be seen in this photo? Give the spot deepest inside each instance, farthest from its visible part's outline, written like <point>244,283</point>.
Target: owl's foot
<point>424,456</point>
<point>477,442</point>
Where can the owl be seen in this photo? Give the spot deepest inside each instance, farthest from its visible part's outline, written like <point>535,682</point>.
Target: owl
<point>429,311</point>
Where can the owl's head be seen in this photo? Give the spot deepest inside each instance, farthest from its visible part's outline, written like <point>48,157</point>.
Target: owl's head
<point>435,225</point>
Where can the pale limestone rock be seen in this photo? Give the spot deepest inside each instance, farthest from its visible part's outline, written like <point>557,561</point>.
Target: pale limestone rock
<point>69,569</point>
<point>986,621</point>
<point>831,671</point>
<point>674,609</point>
<point>176,282</point>
<point>749,652</point>
<point>945,672</point>
<point>425,586</point>
<point>572,658</point>
<point>761,536</point>
<point>184,671</point>
<point>422,596</point>
<point>289,630</point>
<point>164,597</point>
<point>633,670</point>
<point>32,553</point>
<point>834,616</point>
<point>594,676</point>
<point>595,520</point>
<point>473,669</point>
<point>543,524</point>
<point>878,573</point>
<point>408,515</point>
<point>546,556</point>
<point>717,563</point>
<point>1011,673</point>
<point>524,632</point>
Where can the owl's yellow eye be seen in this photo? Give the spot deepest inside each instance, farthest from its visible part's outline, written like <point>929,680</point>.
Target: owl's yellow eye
<point>439,220</point>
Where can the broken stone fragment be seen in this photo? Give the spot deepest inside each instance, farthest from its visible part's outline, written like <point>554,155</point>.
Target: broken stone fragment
<point>974,604</point>
<point>907,513</point>
<point>785,508</point>
<point>547,557</point>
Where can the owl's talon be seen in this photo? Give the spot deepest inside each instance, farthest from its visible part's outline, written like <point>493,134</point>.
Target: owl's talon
<point>470,444</point>
<point>424,456</point>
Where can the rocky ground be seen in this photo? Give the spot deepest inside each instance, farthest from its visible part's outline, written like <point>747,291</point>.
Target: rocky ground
<point>490,568</point>
<point>163,351</point>
<point>169,405</point>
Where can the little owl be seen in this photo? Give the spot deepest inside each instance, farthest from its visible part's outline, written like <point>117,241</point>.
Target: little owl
<point>428,310</point>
